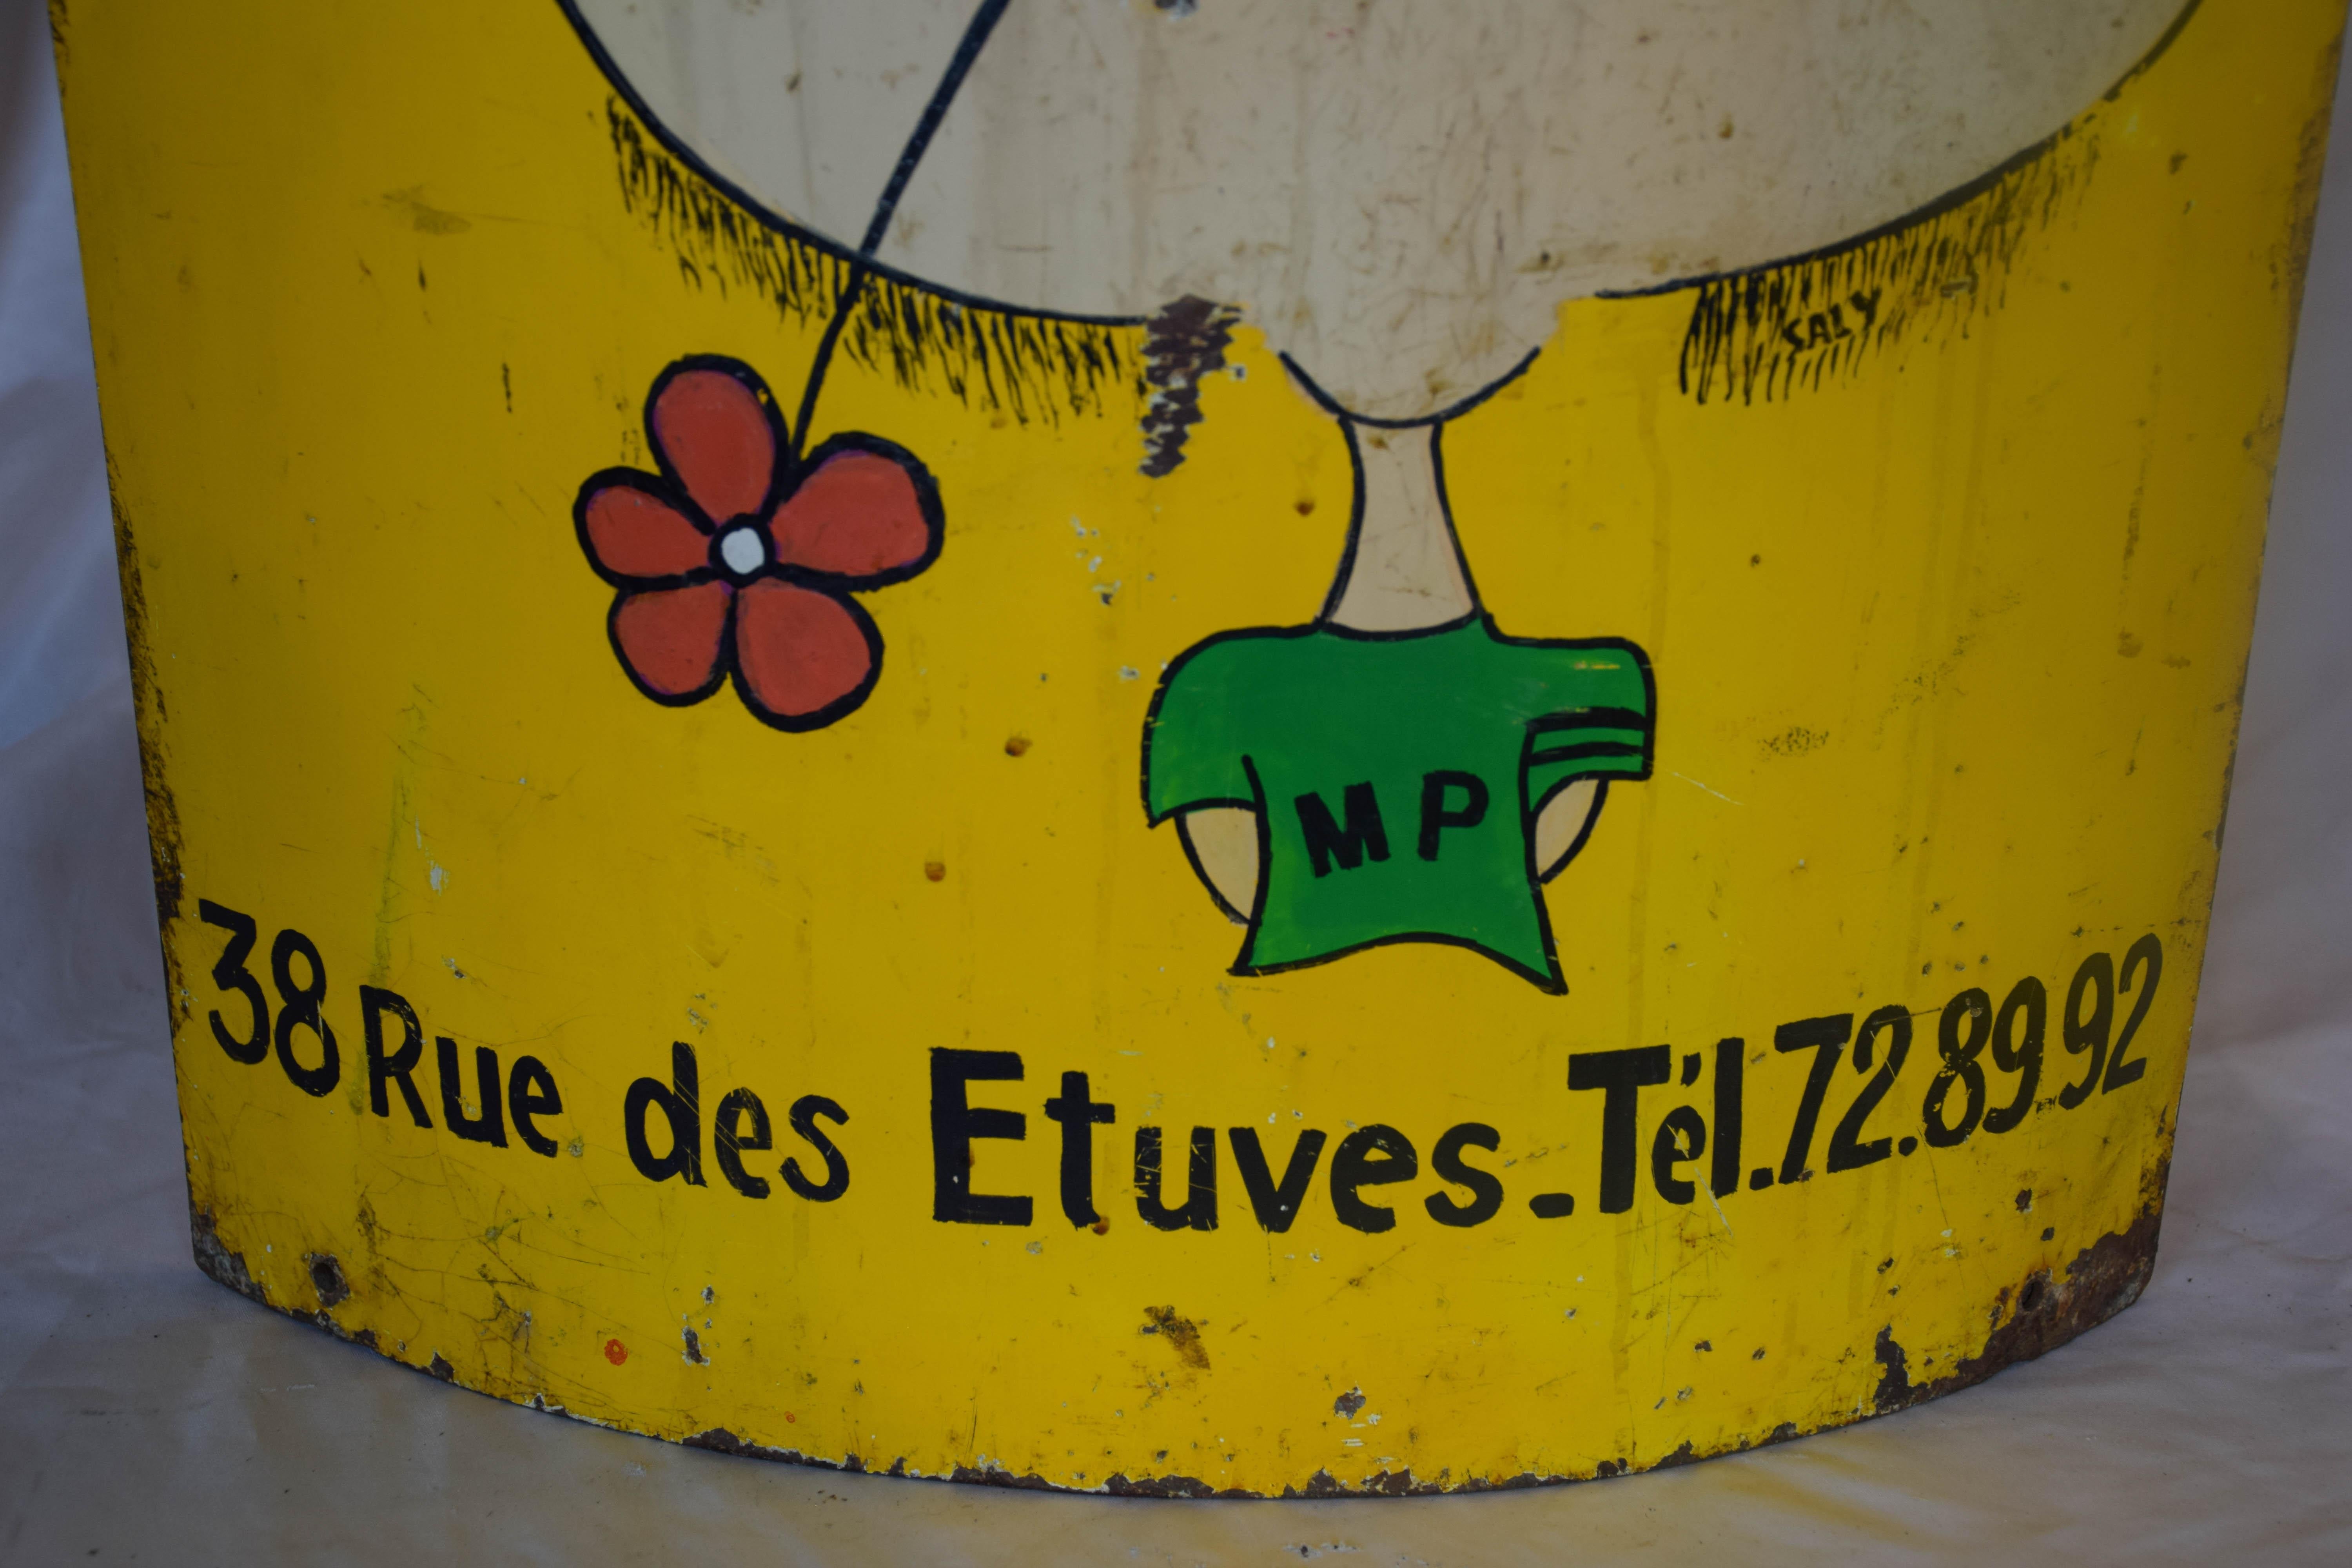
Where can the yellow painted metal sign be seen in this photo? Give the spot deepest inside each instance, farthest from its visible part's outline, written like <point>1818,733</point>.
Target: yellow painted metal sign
<point>1001,922</point>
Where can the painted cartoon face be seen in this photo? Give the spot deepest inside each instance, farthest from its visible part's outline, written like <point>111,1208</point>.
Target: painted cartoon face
<point>1398,194</point>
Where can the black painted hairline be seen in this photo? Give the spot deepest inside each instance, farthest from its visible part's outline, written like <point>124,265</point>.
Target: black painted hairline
<point>1959,195</point>
<point>767,217</point>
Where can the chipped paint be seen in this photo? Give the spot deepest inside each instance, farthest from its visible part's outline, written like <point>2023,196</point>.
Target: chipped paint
<point>1843,1073</point>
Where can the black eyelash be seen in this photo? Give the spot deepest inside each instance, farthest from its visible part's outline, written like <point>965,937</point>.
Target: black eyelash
<point>1775,330</point>
<point>1793,325</point>
<point>1030,365</point>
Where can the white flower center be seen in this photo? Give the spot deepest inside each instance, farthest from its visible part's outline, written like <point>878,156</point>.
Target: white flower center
<point>743,549</point>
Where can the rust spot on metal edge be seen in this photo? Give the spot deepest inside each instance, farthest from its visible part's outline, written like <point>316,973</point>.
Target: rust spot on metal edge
<point>217,1262</point>
<point>327,1279</point>
<point>720,1440</point>
<point>2103,1280</point>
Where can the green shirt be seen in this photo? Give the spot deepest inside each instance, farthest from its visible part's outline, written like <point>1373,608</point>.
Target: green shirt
<point>1396,777</point>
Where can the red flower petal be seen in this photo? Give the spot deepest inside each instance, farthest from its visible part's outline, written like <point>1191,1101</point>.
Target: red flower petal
<point>856,516</point>
<point>669,636</point>
<point>800,651</point>
<point>633,534</point>
<point>714,431</point>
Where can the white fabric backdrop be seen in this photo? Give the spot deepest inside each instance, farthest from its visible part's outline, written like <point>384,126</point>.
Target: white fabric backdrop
<point>147,1413</point>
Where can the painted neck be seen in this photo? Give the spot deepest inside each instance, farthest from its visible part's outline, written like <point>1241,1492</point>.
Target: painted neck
<point>1405,572</point>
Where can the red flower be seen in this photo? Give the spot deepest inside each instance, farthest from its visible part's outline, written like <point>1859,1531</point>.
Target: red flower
<point>738,560</point>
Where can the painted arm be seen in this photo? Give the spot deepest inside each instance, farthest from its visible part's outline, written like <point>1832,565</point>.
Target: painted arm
<point>1221,843</point>
<point>1563,824</point>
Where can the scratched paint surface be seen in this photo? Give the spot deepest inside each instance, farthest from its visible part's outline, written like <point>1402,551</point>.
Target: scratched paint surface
<point>1947,639</point>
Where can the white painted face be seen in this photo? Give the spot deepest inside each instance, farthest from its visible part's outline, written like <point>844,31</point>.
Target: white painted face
<point>1399,193</point>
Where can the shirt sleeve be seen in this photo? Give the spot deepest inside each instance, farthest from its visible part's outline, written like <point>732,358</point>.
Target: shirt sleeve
<point>1195,741</point>
<point>1596,719</point>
